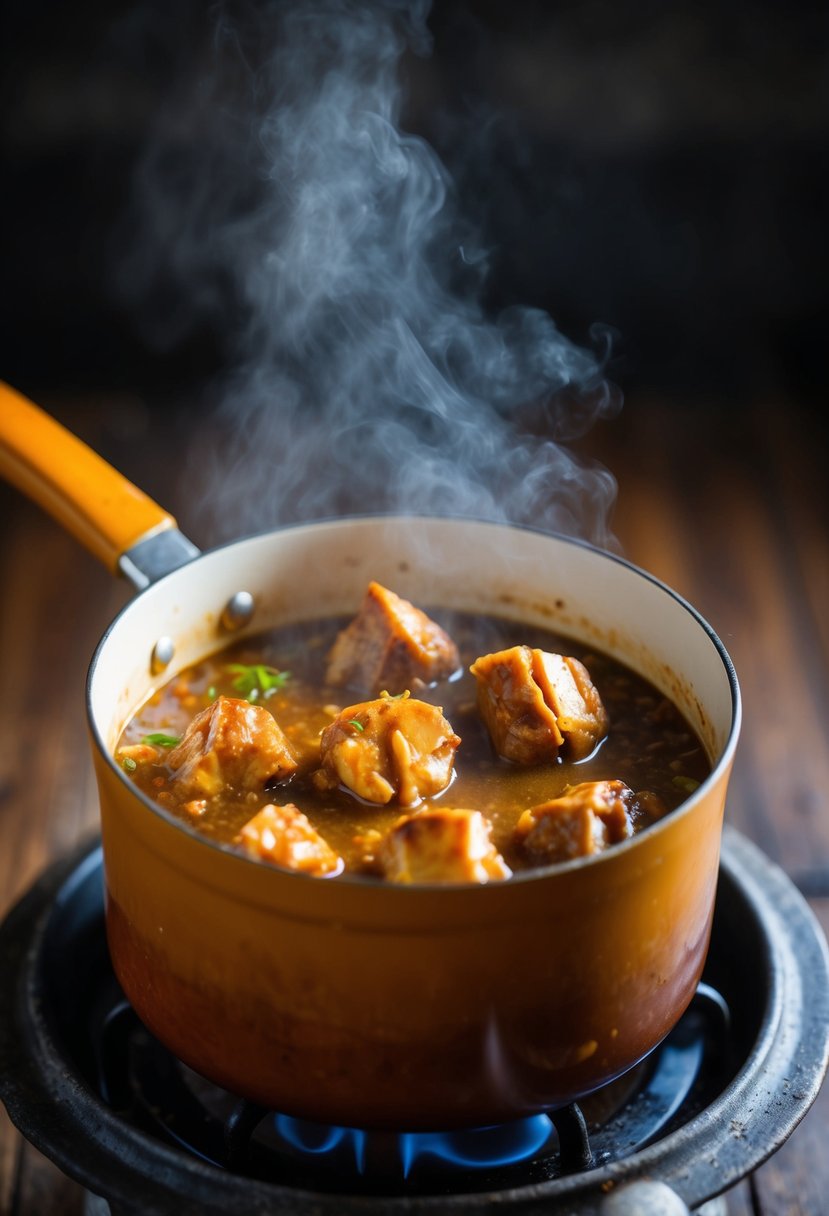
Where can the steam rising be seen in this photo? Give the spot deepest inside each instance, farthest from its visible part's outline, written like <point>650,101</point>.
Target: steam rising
<point>368,376</point>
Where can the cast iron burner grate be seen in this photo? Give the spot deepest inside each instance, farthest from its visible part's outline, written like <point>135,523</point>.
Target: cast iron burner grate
<point>92,1089</point>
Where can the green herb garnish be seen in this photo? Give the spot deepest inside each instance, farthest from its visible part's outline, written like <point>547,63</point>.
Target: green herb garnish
<point>129,764</point>
<point>686,784</point>
<point>159,739</point>
<point>257,680</point>
<point>354,722</point>
<point>211,692</point>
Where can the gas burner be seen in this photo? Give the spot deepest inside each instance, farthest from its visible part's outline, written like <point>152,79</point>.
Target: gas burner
<point>90,1087</point>
<point>148,1086</point>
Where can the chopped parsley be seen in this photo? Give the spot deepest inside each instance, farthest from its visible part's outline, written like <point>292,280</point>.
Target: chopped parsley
<point>257,680</point>
<point>159,739</point>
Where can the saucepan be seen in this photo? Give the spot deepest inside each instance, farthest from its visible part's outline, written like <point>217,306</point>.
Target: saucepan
<point>346,1000</point>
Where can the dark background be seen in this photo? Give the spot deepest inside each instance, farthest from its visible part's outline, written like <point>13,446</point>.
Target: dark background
<point>660,169</point>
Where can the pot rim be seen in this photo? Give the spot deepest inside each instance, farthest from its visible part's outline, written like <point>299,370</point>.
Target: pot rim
<point>413,890</point>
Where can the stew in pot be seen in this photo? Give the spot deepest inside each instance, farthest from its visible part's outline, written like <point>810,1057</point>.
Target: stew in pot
<point>445,747</point>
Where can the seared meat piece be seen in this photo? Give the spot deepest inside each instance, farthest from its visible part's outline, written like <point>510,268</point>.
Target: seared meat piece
<point>574,699</point>
<point>231,744</point>
<point>521,724</point>
<point>390,644</point>
<point>534,703</point>
<point>584,820</point>
<point>283,835</point>
<point>446,845</point>
<point>394,748</point>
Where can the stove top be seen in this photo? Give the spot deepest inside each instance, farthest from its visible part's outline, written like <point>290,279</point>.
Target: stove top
<point>93,1090</point>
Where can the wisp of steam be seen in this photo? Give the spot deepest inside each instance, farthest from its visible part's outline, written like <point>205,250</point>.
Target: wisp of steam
<point>367,376</point>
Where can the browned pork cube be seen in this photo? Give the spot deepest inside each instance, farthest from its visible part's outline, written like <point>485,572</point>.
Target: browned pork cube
<point>283,835</point>
<point>390,644</point>
<point>534,703</point>
<point>392,749</point>
<point>574,699</point>
<point>446,845</point>
<point>230,745</point>
<point>585,819</point>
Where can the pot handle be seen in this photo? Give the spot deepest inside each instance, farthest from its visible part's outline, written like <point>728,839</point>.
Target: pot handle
<point>112,518</point>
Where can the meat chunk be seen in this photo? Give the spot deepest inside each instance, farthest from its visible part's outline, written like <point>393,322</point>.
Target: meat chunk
<point>572,696</point>
<point>230,745</point>
<point>390,644</point>
<point>584,820</point>
<point>445,845</point>
<point>534,703</point>
<point>284,836</point>
<point>392,749</point>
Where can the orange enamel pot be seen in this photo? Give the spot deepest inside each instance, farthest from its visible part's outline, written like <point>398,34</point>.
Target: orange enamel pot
<point>373,1005</point>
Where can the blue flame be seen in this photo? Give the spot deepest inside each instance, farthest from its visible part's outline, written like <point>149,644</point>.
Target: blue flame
<point>480,1148</point>
<point>317,1138</point>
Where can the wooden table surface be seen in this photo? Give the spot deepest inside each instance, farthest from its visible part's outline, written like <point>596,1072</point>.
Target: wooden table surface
<point>728,505</point>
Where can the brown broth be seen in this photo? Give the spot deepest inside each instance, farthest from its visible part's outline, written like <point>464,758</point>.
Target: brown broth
<point>650,746</point>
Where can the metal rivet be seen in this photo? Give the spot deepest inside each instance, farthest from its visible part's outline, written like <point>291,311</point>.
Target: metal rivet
<point>163,652</point>
<point>238,610</point>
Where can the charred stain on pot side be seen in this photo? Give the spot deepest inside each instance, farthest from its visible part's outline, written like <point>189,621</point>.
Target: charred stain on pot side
<point>368,374</point>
